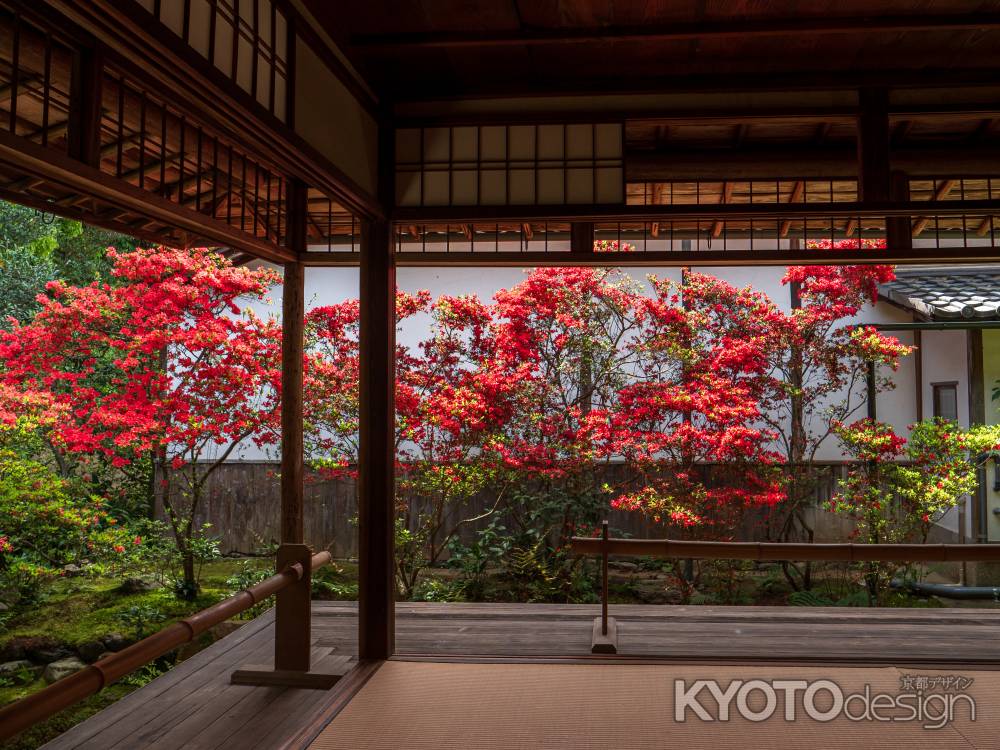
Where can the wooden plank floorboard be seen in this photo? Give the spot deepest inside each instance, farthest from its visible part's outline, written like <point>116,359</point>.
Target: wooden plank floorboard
<point>145,704</point>
<point>187,717</point>
<point>194,707</point>
<point>213,724</point>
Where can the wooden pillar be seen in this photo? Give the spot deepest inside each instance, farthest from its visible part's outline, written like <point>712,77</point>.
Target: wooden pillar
<point>293,607</point>
<point>918,374</point>
<point>871,391</point>
<point>376,463</point>
<point>83,132</point>
<point>977,386</point>
<point>873,145</point>
<point>898,232</point>
<point>581,237</point>
<point>877,182</point>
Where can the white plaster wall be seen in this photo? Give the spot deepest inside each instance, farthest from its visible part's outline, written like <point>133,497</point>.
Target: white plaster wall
<point>329,117</point>
<point>944,357</point>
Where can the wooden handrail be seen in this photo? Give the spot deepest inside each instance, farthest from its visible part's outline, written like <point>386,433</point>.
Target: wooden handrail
<point>787,551</point>
<point>32,709</point>
<point>783,551</point>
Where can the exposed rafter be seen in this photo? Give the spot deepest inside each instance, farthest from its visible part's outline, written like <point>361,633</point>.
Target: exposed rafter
<point>798,191</point>
<point>940,193</point>
<point>724,198</point>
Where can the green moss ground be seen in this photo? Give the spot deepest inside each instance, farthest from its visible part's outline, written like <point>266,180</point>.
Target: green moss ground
<point>81,609</point>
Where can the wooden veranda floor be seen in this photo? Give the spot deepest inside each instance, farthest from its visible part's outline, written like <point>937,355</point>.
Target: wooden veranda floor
<point>193,706</point>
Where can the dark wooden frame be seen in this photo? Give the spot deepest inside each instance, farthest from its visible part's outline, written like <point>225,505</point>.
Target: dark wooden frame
<point>936,397</point>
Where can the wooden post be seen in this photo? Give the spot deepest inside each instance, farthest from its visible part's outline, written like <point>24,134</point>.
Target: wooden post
<point>898,233</point>
<point>293,605</point>
<point>605,636</point>
<point>83,134</point>
<point>977,386</point>
<point>376,465</point>
<point>870,387</point>
<point>292,616</point>
<point>604,578</point>
<point>877,182</point>
<point>873,145</point>
<point>581,237</point>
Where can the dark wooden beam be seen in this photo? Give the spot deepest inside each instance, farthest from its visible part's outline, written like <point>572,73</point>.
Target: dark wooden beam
<point>750,77</point>
<point>830,161</point>
<point>678,32</point>
<point>682,258</point>
<point>49,165</point>
<point>112,220</point>
<point>151,53</point>
<point>984,130</point>
<point>900,131</point>
<point>416,217</point>
<point>376,461</point>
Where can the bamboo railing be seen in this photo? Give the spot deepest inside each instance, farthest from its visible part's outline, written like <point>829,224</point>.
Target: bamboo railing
<point>36,707</point>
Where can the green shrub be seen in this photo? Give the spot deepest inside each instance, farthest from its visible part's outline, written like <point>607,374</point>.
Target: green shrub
<point>246,576</point>
<point>139,618</point>
<point>46,523</point>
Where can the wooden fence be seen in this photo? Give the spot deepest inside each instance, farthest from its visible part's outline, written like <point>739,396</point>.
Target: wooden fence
<point>242,501</point>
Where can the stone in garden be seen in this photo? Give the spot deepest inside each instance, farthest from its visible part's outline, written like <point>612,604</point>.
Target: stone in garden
<point>47,655</point>
<point>137,586</point>
<point>91,651</point>
<point>115,641</point>
<point>72,570</point>
<point>623,565</point>
<point>20,672</point>
<point>62,668</point>
<point>13,650</point>
<point>4,607</point>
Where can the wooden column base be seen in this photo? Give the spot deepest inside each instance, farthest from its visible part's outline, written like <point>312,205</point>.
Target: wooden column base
<point>605,644</point>
<point>328,670</point>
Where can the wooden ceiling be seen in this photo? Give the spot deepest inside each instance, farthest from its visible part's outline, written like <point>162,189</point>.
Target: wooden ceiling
<point>423,49</point>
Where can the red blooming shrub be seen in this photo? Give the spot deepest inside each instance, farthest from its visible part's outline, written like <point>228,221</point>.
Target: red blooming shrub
<point>689,423</point>
<point>818,370</point>
<point>164,364</point>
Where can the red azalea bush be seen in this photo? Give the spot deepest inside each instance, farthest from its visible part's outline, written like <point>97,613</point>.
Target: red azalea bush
<point>701,389</point>
<point>165,365</point>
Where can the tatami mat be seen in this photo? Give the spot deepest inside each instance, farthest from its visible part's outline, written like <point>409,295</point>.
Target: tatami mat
<point>514,706</point>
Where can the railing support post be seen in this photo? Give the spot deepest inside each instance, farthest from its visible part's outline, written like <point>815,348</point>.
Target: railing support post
<point>605,640</point>
<point>604,578</point>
